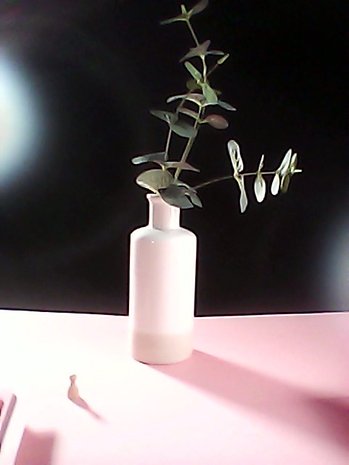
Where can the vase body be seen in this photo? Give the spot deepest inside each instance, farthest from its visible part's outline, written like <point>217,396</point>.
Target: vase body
<point>162,287</point>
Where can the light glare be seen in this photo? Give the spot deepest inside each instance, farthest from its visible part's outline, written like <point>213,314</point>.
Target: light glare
<point>19,120</point>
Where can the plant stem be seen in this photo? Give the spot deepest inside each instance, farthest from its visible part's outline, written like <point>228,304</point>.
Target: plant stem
<point>169,135</point>
<point>193,33</point>
<point>223,178</point>
<point>212,181</point>
<point>189,145</point>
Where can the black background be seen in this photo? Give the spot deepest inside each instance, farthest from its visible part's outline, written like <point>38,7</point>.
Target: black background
<point>99,67</point>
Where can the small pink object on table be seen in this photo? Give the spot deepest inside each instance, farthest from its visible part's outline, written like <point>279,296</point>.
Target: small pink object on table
<point>7,402</point>
<point>260,390</point>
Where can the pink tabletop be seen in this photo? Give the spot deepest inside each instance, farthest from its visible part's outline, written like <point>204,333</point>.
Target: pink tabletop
<point>264,390</point>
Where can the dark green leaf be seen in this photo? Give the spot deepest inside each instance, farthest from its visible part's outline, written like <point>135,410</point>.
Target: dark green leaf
<point>175,196</point>
<point>149,157</point>
<point>192,85</point>
<point>183,129</point>
<point>195,198</point>
<point>199,7</point>
<point>167,116</point>
<point>200,50</point>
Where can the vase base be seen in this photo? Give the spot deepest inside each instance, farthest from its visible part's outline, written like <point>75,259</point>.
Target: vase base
<point>161,349</point>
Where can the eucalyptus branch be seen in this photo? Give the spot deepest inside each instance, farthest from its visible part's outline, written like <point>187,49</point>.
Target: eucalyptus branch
<point>166,183</point>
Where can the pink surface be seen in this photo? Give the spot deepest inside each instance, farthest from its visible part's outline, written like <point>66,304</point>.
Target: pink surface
<point>258,391</point>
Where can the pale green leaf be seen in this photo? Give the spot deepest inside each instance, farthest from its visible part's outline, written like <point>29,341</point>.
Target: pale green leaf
<point>182,17</point>
<point>223,59</point>
<point>261,163</point>
<point>243,196</point>
<point>285,164</point>
<point>149,157</point>
<point>209,93</point>
<point>180,164</point>
<point>225,105</point>
<point>259,188</point>
<point>193,71</point>
<point>235,156</point>
<point>190,97</point>
<point>275,185</point>
<point>285,182</point>
<point>154,179</point>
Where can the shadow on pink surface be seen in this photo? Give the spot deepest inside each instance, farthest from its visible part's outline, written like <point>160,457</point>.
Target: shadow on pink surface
<point>272,398</point>
<point>36,448</point>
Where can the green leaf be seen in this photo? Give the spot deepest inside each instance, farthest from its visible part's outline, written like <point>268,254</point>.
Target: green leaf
<point>180,164</point>
<point>199,7</point>
<point>167,116</point>
<point>188,112</point>
<point>154,179</point>
<point>235,156</point>
<point>223,59</point>
<point>195,198</point>
<point>199,50</point>
<point>193,71</point>
<point>209,93</point>
<point>183,129</point>
<point>149,157</point>
<point>175,196</point>
<point>190,97</point>
<point>216,121</point>
<point>182,17</point>
<point>192,85</point>
<point>259,187</point>
<point>226,106</point>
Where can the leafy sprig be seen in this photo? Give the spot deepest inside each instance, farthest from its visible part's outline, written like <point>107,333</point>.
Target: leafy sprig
<point>187,119</point>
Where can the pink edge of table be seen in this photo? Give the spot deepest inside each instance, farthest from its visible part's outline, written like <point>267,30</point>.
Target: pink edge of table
<point>260,390</point>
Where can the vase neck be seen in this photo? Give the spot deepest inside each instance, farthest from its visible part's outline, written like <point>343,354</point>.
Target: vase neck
<point>162,215</point>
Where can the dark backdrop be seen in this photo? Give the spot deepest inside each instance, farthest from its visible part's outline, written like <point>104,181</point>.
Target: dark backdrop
<point>92,70</point>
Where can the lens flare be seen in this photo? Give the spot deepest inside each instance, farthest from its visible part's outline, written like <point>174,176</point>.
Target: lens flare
<point>20,127</point>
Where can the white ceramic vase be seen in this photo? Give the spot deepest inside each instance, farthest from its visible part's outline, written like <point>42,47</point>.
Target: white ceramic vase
<point>162,287</point>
